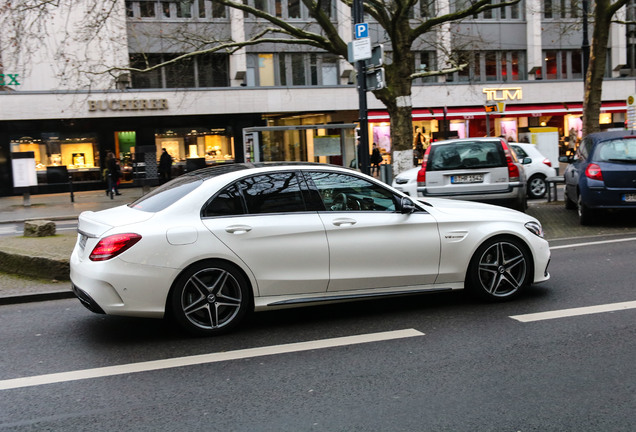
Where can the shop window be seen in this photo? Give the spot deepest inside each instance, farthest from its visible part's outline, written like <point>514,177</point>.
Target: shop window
<point>195,146</point>
<point>79,155</point>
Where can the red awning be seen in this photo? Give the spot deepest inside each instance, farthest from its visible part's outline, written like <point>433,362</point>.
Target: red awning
<point>512,110</point>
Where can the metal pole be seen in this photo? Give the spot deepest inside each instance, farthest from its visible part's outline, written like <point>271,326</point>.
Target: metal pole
<point>70,186</point>
<point>487,124</point>
<point>363,149</point>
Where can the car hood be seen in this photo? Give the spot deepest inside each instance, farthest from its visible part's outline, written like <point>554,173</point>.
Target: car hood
<point>95,224</point>
<point>473,208</point>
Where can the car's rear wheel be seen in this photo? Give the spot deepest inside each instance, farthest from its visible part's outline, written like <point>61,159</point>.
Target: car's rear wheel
<point>537,186</point>
<point>587,216</point>
<point>499,269</point>
<point>209,298</point>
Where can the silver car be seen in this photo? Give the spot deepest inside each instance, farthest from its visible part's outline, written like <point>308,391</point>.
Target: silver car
<point>474,169</point>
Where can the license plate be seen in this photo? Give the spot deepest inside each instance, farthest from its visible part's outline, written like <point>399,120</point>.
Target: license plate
<point>82,241</point>
<point>629,197</point>
<point>468,178</point>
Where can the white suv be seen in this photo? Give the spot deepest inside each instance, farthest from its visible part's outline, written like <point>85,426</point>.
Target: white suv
<point>474,169</point>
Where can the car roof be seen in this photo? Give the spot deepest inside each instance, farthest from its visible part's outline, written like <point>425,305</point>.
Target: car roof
<point>608,135</point>
<point>215,171</point>
<point>461,140</point>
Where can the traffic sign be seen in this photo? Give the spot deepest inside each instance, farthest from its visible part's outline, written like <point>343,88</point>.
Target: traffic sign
<point>359,49</point>
<point>375,80</point>
<point>361,30</point>
<point>490,108</point>
<point>376,60</point>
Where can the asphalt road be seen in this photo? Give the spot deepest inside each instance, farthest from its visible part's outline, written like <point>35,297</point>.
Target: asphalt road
<point>463,365</point>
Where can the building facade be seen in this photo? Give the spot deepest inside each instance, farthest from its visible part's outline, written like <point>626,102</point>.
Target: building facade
<point>63,97</point>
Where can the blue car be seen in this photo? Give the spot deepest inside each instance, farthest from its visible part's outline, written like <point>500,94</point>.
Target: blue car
<point>602,174</point>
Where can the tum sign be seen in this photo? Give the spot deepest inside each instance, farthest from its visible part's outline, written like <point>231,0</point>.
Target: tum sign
<point>502,94</point>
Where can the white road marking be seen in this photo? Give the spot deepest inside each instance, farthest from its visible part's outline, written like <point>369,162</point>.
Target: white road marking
<point>563,313</point>
<point>592,243</point>
<point>204,358</point>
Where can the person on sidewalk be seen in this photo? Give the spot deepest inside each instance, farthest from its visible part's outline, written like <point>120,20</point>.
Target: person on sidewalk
<point>165,166</point>
<point>376,160</point>
<point>114,174</point>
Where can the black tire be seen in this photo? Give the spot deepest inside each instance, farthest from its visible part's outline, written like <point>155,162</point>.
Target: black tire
<point>569,204</point>
<point>587,216</point>
<point>500,269</point>
<point>537,186</point>
<point>210,298</point>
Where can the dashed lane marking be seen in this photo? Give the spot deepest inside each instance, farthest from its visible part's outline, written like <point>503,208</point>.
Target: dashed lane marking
<point>564,313</point>
<point>204,358</point>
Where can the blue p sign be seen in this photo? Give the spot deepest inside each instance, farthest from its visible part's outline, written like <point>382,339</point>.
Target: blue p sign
<point>362,30</point>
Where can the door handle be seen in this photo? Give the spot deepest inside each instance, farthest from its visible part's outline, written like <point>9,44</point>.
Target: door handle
<point>344,222</point>
<point>238,229</point>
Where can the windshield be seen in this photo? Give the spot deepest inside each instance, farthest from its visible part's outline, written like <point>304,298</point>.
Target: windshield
<point>618,150</point>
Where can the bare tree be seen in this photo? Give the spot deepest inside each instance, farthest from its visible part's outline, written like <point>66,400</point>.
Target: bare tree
<point>604,11</point>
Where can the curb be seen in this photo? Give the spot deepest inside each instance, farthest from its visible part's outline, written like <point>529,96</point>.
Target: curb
<point>38,297</point>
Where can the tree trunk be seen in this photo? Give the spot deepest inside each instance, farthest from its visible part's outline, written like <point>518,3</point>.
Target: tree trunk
<point>596,70</point>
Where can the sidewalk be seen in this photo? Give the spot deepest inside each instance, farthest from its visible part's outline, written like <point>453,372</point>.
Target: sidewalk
<point>43,261</point>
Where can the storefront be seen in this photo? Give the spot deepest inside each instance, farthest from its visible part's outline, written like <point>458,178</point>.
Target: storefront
<point>513,123</point>
<point>75,151</point>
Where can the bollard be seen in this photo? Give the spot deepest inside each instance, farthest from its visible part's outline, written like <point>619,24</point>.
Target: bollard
<point>70,186</point>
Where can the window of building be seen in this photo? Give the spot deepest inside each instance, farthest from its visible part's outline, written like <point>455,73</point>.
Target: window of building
<point>425,61</point>
<point>562,9</point>
<point>484,66</point>
<point>561,65</point>
<point>208,70</point>
<point>182,9</point>
<point>513,12</point>
<point>292,69</point>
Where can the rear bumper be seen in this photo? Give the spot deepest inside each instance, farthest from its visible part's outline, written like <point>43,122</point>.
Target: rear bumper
<point>603,198</point>
<point>514,191</point>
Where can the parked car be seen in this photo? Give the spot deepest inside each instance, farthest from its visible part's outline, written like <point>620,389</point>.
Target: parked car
<point>602,174</point>
<point>536,166</point>
<point>214,244</point>
<point>474,169</point>
<point>406,182</point>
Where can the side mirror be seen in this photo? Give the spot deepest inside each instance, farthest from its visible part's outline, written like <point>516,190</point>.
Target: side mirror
<point>566,159</point>
<point>407,206</point>
<point>526,161</point>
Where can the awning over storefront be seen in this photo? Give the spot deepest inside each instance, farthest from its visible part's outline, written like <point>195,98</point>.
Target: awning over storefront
<point>511,110</point>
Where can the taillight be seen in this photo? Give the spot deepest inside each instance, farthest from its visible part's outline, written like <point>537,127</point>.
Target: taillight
<point>421,174</point>
<point>513,169</point>
<point>111,246</point>
<point>547,162</point>
<point>593,171</point>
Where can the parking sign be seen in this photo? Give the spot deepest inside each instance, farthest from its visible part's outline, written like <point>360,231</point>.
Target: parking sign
<point>361,30</point>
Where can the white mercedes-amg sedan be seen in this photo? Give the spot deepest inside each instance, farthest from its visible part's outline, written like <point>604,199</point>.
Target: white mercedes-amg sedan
<point>212,245</point>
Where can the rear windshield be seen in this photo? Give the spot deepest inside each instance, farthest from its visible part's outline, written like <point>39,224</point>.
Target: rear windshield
<point>469,154</point>
<point>167,194</point>
<point>618,150</point>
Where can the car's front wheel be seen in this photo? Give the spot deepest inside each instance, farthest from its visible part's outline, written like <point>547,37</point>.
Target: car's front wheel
<point>537,186</point>
<point>499,269</point>
<point>210,297</point>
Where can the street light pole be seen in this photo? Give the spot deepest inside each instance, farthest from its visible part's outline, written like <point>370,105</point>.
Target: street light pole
<point>363,145</point>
